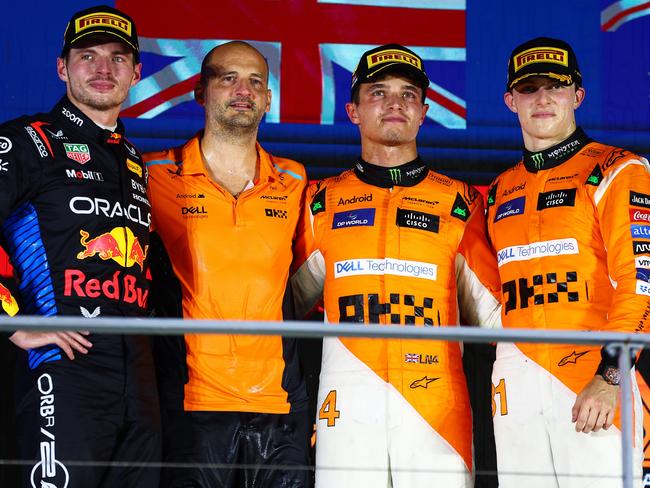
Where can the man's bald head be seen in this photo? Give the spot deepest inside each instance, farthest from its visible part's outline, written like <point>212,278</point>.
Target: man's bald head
<point>211,61</point>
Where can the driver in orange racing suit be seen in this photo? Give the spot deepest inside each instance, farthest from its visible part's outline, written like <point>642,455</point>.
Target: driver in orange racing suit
<point>393,242</point>
<point>570,228</point>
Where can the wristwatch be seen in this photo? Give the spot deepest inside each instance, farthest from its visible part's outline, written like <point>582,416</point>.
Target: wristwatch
<point>611,375</point>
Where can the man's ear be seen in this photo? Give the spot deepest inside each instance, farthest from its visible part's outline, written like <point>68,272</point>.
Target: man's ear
<point>351,110</point>
<point>60,69</point>
<point>509,100</point>
<point>580,96</point>
<point>199,93</point>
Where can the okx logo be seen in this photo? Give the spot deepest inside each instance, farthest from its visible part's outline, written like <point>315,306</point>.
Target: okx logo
<point>274,212</point>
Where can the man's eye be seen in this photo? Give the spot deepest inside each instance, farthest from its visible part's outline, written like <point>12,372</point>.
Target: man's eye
<point>527,89</point>
<point>377,93</point>
<point>409,95</point>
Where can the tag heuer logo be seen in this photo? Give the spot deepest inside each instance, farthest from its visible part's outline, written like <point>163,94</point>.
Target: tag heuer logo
<point>77,152</point>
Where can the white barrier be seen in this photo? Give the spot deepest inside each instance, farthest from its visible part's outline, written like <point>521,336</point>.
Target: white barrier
<point>626,344</point>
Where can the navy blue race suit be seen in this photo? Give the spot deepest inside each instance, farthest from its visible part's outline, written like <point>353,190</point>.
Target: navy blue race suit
<point>75,220</point>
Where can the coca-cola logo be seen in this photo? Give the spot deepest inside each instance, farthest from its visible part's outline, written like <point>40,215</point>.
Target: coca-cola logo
<point>639,215</point>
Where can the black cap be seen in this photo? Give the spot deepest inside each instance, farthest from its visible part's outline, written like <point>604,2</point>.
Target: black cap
<point>543,56</point>
<point>101,21</point>
<point>389,57</point>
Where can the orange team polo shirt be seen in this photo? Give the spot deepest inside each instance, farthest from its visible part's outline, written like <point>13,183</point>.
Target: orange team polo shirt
<point>232,257</point>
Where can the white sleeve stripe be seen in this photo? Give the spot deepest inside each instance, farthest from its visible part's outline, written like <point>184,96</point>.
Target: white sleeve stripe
<point>307,283</point>
<point>478,306</point>
<point>608,180</point>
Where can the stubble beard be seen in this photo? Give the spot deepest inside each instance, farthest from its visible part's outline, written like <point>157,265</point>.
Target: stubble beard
<point>393,137</point>
<point>236,126</point>
<point>100,102</point>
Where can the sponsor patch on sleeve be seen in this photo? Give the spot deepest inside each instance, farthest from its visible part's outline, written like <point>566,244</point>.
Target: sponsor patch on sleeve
<point>641,231</point>
<point>417,220</point>
<point>642,288</point>
<point>642,262</point>
<point>510,208</point>
<point>640,247</point>
<point>638,215</point>
<point>460,209</point>
<point>318,202</point>
<point>556,198</point>
<point>354,218</point>
<point>639,199</point>
<point>643,275</point>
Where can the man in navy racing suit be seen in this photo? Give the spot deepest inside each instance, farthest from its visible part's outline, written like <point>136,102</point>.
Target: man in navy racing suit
<point>75,217</point>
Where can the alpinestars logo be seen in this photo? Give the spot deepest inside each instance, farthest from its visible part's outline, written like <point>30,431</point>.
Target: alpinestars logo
<point>423,382</point>
<point>571,358</point>
<point>274,212</point>
<point>4,165</point>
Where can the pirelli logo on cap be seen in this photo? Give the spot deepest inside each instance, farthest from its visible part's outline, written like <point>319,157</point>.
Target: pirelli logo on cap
<point>541,55</point>
<point>102,18</point>
<point>394,56</point>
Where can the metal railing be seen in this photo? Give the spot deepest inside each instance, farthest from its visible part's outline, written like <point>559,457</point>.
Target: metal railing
<point>621,343</point>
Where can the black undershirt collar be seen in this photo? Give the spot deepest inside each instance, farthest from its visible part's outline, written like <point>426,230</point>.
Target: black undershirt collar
<point>555,155</point>
<point>407,174</point>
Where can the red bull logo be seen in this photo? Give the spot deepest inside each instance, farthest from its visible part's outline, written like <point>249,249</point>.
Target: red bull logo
<point>120,245</point>
<point>120,287</point>
<point>9,303</point>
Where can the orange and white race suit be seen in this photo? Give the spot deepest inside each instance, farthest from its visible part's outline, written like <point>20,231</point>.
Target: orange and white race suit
<point>570,227</point>
<point>405,246</point>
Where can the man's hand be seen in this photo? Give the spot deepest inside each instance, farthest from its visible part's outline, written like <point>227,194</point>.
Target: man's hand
<point>69,341</point>
<point>595,406</point>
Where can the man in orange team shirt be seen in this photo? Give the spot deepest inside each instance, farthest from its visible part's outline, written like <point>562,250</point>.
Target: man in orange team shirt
<point>225,214</point>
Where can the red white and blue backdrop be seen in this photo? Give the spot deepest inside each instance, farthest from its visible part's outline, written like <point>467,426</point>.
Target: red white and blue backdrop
<point>312,47</point>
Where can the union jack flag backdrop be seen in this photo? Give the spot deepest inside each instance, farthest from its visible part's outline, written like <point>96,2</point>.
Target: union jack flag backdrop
<point>312,47</point>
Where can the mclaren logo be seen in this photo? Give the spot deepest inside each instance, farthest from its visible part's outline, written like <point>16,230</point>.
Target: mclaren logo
<point>571,358</point>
